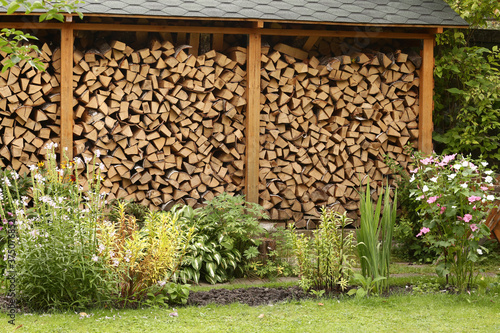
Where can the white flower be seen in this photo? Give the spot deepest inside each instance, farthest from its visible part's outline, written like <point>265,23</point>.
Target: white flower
<point>95,258</point>
<point>457,166</point>
<point>473,167</point>
<point>488,179</point>
<point>425,188</point>
<point>116,262</point>
<point>452,176</point>
<point>101,248</point>
<point>87,159</point>
<point>97,153</point>
<point>464,185</point>
<point>479,251</point>
<point>412,178</point>
<point>161,283</point>
<point>434,179</point>
<point>111,254</point>
<point>489,172</point>
<point>454,207</point>
<point>484,164</point>
<point>490,197</point>
<point>465,164</point>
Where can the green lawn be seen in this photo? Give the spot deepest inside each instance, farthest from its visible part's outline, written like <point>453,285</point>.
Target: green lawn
<point>403,313</point>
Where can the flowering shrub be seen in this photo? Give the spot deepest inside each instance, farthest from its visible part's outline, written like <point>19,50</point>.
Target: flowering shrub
<point>454,197</point>
<point>56,227</point>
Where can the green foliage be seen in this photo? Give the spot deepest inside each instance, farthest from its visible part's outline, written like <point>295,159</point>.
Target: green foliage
<point>467,101</point>
<point>454,195</point>
<point>374,238</point>
<point>16,44</point>
<point>142,258</point>
<point>476,12</point>
<point>224,241</point>
<point>368,285</point>
<point>57,238</point>
<point>324,260</point>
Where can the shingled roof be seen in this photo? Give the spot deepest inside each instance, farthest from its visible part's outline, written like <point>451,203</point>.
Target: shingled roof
<point>376,12</point>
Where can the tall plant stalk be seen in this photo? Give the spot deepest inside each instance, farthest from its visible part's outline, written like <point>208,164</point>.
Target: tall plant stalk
<point>375,236</point>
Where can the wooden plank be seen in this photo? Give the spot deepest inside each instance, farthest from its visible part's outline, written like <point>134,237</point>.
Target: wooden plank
<point>226,30</point>
<point>67,41</point>
<point>218,42</point>
<point>194,41</point>
<point>426,106</point>
<point>310,43</point>
<point>253,118</point>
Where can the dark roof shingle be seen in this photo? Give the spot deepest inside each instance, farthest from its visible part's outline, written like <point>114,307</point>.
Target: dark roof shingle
<point>411,12</point>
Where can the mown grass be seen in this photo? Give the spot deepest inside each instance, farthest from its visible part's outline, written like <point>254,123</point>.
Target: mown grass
<point>399,313</point>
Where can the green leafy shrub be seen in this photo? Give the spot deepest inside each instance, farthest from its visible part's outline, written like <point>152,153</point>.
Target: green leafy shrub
<point>141,258</point>
<point>374,238</point>
<point>225,238</point>
<point>454,195</point>
<point>325,259</point>
<point>467,101</point>
<point>57,238</point>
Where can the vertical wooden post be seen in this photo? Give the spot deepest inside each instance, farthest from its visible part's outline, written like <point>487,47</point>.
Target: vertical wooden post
<point>425,126</point>
<point>67,41</point>
<point>194,41</point>
<point>253,118</point>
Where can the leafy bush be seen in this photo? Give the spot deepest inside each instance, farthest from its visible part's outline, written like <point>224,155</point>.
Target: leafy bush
<point>142,258</point>
<point>325,259</point>
<point>454,195</point>
<point>467,101</point>
<point>57,238</point>
<point>224,238</point>
<point>375,239</point>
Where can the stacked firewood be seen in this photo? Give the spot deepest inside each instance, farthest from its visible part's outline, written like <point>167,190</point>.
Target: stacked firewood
<point>29,110</point>
<point>169,126</point>
<point>327,125</point>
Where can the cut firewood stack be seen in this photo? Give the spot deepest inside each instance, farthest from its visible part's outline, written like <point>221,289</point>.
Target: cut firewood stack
<point>327,125</point>
<point>29,110</point>
<point>169,126</point>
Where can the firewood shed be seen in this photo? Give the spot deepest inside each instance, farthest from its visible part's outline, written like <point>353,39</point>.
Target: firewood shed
<point>292,103</point>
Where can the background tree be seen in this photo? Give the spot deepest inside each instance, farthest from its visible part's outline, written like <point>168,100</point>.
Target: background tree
<point>16,44</point>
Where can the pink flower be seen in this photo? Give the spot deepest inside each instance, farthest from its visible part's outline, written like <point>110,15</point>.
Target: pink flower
<point>473,198</point>
<point>423,231</point>
<point>447,159</point>
<point>414,170</point>
<point>467,218</point>
<point>484,188</point>
<point>442,210</point>
<point>473,227</point>
<point>427,160</point>
<point>432,199</point>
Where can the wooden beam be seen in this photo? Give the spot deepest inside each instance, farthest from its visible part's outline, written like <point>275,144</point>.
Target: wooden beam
<point>310,43</point>
<point>220,30</point>
<point>253,118</point>
<point>194,41</point>
<point>426,103</point>
<point>67,41</point>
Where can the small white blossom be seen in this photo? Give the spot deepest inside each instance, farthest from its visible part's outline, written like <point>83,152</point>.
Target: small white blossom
<point>464,185</point>
<point>465,164</point>
<point>485,164</point>
<point>488,179</point>
<point>434,179</point>
<point>452,176</point>
<point>489,172</point>
<point>97,153</point>
<point>490,197</point>
<point>95,258</point>
<point>479,251</point>
<point>412,179</point>
<point>425,188</point>
<point>161,283</point>
<point>457,166</point>
<point>116,262</point>
<point>111,254</point>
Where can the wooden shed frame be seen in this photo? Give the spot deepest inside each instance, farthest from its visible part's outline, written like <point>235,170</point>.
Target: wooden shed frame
<point>255,30</point>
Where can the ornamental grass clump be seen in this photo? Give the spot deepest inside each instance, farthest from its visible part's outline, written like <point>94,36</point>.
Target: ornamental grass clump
<point>455,198</point>
<point>56,225</point>
<point>374,238</point>
<point>325,259</point>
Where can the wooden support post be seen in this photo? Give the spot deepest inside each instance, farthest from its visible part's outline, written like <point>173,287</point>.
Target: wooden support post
<point>181,38</point>
<point>218,42</point>
<point>253,118</point>
<point>67,41</point>
<point>194,41</point>
<point>310,43</point>
<point>426,97</point>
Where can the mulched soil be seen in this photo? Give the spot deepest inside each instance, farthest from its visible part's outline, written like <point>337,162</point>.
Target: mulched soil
<point>252,296</point>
